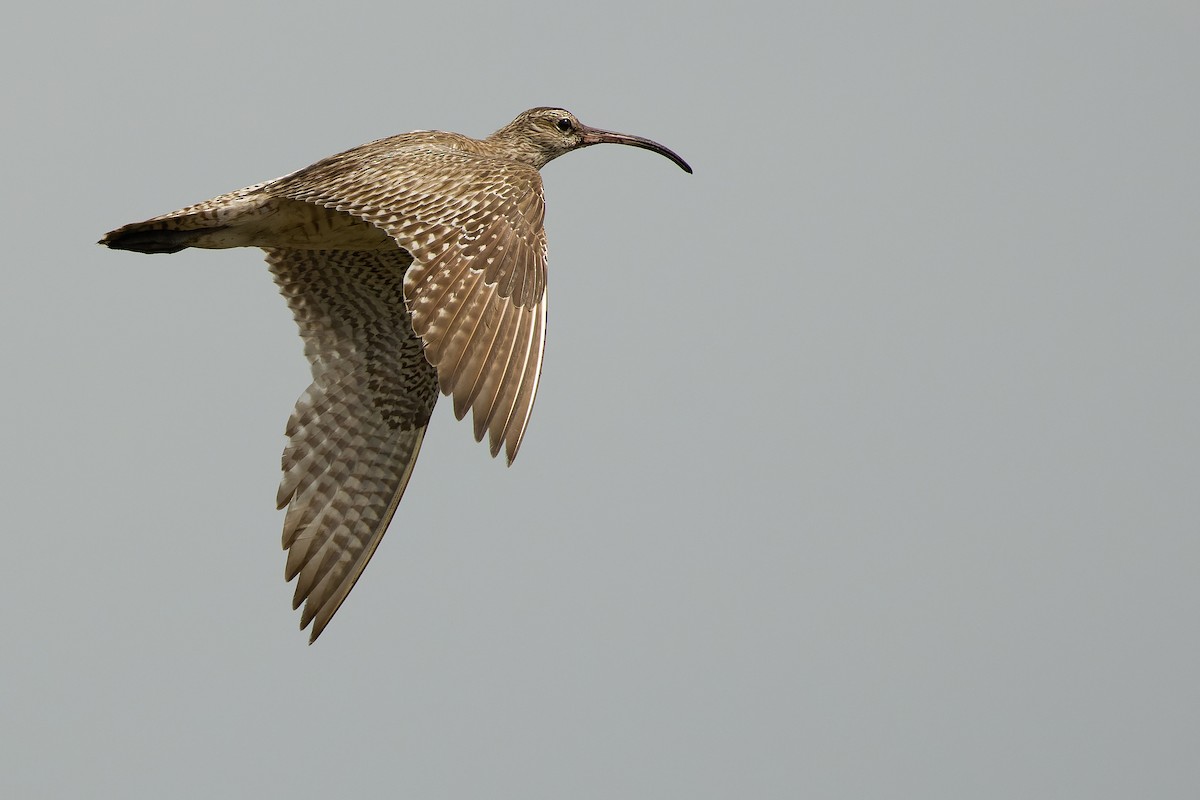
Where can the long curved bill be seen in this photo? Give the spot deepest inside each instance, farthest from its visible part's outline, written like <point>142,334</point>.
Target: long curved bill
<point>596,136</point>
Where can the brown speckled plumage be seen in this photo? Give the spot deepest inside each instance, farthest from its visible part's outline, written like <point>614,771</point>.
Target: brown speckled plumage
<point>411,263</point>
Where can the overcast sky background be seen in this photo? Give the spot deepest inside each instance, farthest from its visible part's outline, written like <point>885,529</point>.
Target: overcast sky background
<point>865,464</point>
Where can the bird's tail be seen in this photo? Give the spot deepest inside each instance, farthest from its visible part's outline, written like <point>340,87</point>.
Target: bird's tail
<point>158,236</point>
<point>219,222</point>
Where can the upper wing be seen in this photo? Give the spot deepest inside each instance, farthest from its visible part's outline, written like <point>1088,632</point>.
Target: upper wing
<point>477,288</point>
<point>356,431</point>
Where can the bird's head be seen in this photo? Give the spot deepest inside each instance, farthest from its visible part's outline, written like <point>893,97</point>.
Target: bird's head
<point>540,135</point>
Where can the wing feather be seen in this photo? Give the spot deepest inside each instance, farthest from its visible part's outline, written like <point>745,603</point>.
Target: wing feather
<point>356,431</point>
<point>476,290</point>
<point>523,405</point>
<point>476,354</point>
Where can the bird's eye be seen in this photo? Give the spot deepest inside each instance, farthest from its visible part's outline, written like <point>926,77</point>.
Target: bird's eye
<point>565,125</point>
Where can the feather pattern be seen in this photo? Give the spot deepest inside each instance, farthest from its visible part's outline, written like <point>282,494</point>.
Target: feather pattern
<point>473,224</point>
<point>356,431</point>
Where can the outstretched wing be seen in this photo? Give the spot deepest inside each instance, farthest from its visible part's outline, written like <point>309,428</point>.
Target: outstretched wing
<point>356,431</point>
<point>477,288</point>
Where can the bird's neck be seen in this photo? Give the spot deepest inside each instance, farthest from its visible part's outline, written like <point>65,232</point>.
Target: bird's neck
<point>517,146</point>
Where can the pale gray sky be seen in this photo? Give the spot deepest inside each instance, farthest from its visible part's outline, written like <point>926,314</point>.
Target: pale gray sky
<point>866,461</point>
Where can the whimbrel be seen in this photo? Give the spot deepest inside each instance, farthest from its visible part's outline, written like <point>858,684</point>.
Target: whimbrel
<point>411,263</point>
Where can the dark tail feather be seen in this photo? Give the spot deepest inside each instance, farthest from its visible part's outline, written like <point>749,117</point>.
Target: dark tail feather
<point>142,237</point>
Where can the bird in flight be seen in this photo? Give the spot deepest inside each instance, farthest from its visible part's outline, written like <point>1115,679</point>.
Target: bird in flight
<point>411,264</point>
